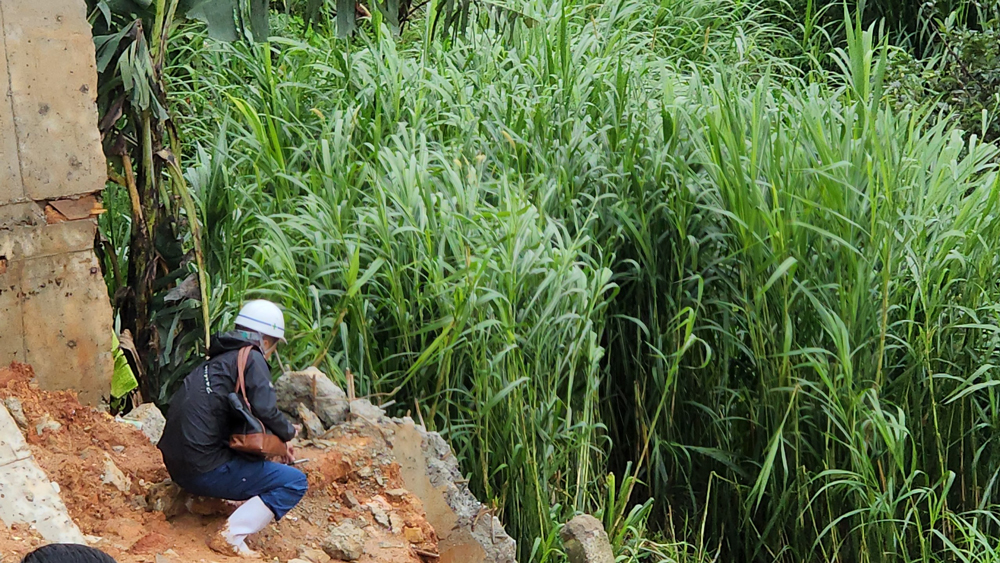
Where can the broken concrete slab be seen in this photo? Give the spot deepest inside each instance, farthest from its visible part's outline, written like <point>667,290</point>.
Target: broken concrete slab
<point>586,541</point>
<point>16,410</point>
<point>467,531</point>
<point>26,494</point>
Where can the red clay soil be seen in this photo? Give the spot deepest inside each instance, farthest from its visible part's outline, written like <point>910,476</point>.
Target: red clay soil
<point>346,480</point>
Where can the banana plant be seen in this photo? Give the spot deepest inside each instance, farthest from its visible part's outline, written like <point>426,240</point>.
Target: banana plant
<point>158,284</point>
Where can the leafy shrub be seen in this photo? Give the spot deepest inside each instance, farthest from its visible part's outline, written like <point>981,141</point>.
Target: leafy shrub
<point>963,79</point>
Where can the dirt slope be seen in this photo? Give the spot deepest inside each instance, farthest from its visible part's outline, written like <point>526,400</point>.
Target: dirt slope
<point>352,478</point>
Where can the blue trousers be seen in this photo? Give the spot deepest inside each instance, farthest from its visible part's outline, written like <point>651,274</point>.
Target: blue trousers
<point>280,486</point>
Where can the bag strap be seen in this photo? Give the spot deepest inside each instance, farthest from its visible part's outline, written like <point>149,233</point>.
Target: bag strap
<point>241,366</point>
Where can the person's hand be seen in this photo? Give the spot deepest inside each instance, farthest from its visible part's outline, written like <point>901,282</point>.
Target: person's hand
<point>290,454</point>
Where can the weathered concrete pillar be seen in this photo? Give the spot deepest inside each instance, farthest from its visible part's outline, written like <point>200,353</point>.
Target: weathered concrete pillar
<point>54,309</point>
<point>586,541</point>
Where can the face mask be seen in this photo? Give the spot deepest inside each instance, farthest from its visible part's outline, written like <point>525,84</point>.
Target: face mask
<point>252,337</point>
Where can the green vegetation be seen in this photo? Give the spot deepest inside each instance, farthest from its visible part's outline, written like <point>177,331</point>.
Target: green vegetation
<point>631,259</point>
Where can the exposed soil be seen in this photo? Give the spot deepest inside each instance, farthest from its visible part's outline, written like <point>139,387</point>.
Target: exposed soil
<point>352,476</point>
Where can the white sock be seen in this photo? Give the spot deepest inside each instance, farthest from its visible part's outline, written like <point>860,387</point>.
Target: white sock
<point>248,519</point>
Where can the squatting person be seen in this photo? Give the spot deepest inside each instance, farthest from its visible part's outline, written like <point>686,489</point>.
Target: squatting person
<point>195,441</point>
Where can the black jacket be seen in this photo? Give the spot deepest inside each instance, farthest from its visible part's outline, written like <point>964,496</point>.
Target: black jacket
<point>199,421</point>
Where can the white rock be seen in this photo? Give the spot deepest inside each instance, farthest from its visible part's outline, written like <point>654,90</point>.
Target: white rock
<point>46,423</point>
<point>363,408</point>
<point>114,476</point>
<point>345,542</point>
<point>316,391</point>
<point>151,421</point>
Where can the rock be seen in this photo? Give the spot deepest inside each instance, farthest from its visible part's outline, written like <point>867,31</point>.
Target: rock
<point>13,405</point>
<point>118,449</point>
<point>363,408</point>
<point>312,423</point>
<point>138,502</point>
<point>345,542</point>
<point>329,401</point>
<point>365,472</point>
<point>379,514</point>
<point>313,555</point>
<point>166,497</point>
<point>150,419</point>
<point>289,561</point>
<point>397,494</point>
<point>46,423</point>
<point>413,535</point>
<point>586,541</point>
<point>396,523</point>
<point>114,476</point>
<point>350,500</point>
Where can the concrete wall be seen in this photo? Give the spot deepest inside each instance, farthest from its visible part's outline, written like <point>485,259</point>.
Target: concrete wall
<point>54,309</point>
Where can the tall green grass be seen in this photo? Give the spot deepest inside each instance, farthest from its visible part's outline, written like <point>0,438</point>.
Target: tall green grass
<point>627,240</point>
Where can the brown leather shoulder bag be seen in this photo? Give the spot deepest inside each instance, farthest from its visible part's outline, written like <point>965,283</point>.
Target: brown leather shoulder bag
<point>250,435</point>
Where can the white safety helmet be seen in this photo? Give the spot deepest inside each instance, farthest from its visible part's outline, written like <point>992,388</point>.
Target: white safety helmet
<point>263,317</point>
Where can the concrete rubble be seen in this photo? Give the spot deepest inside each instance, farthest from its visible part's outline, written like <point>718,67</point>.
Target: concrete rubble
<point>14,408</point>
<point>26,494</point>
<point>381,489</point>
<point>467,530</point>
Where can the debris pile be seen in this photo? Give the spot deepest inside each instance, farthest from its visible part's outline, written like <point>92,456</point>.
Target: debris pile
<point>380,490</point>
